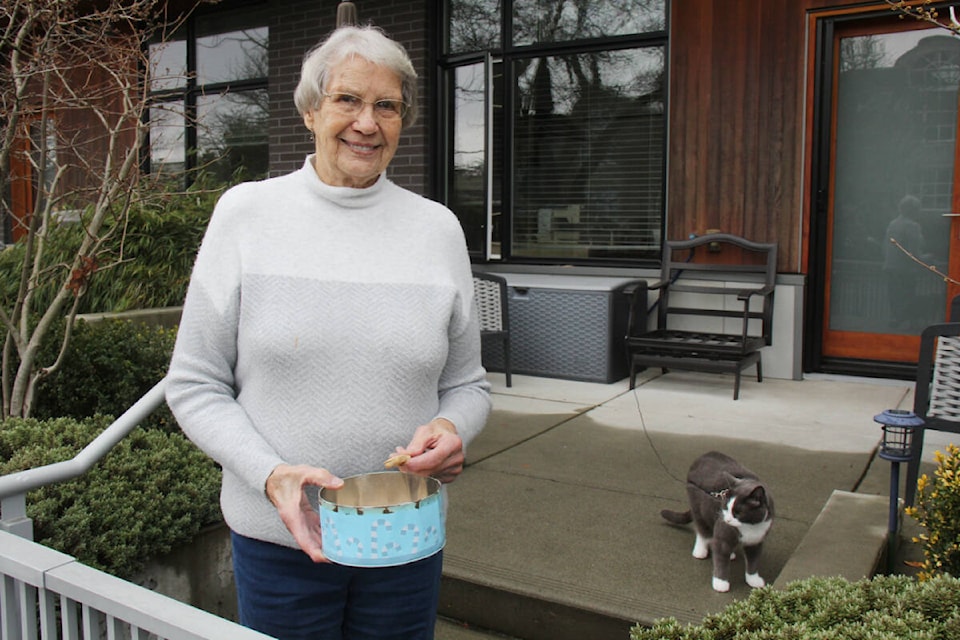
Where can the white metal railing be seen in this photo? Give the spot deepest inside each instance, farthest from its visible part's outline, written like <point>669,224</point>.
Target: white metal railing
<point>47,594</point>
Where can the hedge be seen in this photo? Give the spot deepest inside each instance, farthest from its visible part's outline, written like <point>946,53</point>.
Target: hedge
<point>155,490</point>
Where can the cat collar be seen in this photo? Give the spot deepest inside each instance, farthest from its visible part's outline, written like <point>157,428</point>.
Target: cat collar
<point>720,495</point>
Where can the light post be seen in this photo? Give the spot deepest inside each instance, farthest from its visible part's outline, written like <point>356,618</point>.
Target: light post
<point>896,447</point>
<point>346,13</point>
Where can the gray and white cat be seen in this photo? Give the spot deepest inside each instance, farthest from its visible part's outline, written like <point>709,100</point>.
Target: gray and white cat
<point>729,508</point>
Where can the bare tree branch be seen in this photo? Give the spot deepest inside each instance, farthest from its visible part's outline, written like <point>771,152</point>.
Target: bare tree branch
<point>73,105</point>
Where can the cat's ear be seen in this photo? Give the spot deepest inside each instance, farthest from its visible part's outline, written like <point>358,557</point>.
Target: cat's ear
<point>759,495</point>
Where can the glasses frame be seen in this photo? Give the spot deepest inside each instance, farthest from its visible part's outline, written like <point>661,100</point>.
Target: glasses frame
<point>356,108</point>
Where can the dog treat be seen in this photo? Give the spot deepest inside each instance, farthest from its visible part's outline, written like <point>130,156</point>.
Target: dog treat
<point>396,460</point>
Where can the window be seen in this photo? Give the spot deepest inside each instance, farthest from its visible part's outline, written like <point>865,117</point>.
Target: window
<point>209,108</point>
<point>556,140</point>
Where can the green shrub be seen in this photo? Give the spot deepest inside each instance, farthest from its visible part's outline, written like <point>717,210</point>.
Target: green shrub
<point>884,608</point>
<point>147,265</point>
<point>110,365</point>
<point>937,509</point>
<point>152,492</point>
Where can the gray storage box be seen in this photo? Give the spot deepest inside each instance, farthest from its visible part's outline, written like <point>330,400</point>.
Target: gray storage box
<point>568,327</point>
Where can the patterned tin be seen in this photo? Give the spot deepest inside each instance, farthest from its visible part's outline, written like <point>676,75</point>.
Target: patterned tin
<point>382,519</point>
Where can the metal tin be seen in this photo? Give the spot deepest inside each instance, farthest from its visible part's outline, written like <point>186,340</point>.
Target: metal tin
<point>382,519</point>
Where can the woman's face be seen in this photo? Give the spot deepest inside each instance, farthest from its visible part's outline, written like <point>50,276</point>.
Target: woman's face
<point>354,149</point>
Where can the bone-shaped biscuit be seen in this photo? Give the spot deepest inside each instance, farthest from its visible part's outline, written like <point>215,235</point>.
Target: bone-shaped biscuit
<point>396,460</point>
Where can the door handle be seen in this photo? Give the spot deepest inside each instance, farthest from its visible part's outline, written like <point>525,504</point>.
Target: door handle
<point>950,215</point>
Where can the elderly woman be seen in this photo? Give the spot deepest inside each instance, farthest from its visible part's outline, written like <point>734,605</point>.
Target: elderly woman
<point>328,324</point>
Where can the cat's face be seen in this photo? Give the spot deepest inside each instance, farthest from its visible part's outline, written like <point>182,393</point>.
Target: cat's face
<point>746,504</point>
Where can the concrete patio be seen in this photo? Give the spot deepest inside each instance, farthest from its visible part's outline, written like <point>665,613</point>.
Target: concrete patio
<point>554,528</point>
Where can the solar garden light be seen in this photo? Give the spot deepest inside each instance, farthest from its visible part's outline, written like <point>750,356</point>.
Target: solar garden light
<point>896,447</point>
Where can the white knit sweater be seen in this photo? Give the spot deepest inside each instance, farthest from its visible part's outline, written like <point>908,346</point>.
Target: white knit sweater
<point>322,325</point>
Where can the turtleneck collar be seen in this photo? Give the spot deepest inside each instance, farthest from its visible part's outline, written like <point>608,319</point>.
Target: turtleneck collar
<point>347,197</point>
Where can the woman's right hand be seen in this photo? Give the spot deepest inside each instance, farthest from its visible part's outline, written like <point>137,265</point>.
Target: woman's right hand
<point>285,489</point>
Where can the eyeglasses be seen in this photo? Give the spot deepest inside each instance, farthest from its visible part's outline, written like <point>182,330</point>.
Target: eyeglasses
<point>351,105</point>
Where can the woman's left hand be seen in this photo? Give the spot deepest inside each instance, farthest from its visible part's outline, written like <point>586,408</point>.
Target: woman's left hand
<point>436,450</point>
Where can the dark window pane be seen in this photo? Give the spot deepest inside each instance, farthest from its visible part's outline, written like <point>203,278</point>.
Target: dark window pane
<point>473,25</point>
<point>232,134</point>
<point>588,155</point>
<point>542,21</point>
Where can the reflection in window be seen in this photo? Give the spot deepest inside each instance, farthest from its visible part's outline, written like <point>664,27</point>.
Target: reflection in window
<point>578,147</point>
<point>168,65</point>
<point>588,155</point>
<point>468,193</point>
<point>473,25</point>
<point>468,190</point>
<point>896,114</point>
<point>167,147</point>
<point>211,114</point>
<point>567,20</point>
<point>232,134</point>
<point>235,55</point>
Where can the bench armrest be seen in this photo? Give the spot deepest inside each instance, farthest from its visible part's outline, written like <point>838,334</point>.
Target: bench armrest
<point>746,294</point>
<point>659,284</point>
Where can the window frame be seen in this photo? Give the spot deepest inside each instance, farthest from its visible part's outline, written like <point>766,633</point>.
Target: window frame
<point>191,91</point>
<point>506,55</point>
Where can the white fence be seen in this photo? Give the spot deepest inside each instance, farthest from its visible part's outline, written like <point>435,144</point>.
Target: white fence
<point>47,594</point>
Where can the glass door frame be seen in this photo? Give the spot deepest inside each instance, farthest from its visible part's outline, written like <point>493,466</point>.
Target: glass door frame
<point>826,28</point>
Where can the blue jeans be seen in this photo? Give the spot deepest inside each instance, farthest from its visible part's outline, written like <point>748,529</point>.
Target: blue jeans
<point>283,593</point>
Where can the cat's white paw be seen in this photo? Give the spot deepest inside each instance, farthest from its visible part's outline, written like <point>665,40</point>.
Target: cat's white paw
<point>701,549</point>
<point>721,585</point>
<point>755,580</point>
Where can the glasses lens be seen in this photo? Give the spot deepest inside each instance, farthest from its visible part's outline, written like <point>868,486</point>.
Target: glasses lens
<point>345,102</point>
<point>390,108</point>
<point>351,105</point>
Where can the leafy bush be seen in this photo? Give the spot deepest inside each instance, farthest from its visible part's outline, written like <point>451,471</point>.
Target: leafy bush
<point>111,364</point>
<point>146,264</point>
<point>153,491</point>
<point>937,509</point>
<point>884,608</point>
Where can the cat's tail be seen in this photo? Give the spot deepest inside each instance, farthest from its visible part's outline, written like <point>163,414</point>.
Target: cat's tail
<point>677,517</point>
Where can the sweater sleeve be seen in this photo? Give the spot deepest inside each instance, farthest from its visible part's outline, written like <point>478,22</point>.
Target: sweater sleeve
<point>201,385</point>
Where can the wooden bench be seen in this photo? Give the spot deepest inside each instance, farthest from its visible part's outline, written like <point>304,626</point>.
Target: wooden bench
<point>714,312</point>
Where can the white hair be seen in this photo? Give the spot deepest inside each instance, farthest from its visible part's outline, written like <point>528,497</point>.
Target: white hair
<point>369,43</point>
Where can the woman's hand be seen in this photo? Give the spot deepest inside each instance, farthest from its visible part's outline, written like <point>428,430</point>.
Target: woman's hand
<point>285,488</point>
<point>436,450</point>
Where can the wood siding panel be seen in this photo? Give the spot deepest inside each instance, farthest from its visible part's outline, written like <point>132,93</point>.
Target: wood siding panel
<point>737,76</point>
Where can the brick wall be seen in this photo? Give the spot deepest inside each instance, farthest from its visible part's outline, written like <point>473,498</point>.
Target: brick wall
<point>295,27</point>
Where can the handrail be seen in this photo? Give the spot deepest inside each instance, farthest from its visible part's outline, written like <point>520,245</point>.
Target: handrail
<point>14,486</point>
<point>49,594</point>
<point>45,592</point>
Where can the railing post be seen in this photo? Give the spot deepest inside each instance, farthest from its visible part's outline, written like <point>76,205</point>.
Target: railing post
<point>13,516</point>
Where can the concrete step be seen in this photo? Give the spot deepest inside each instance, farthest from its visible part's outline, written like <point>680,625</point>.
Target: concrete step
<point>516,611</point>
<point>447,629</point>
<point>848,539</point>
